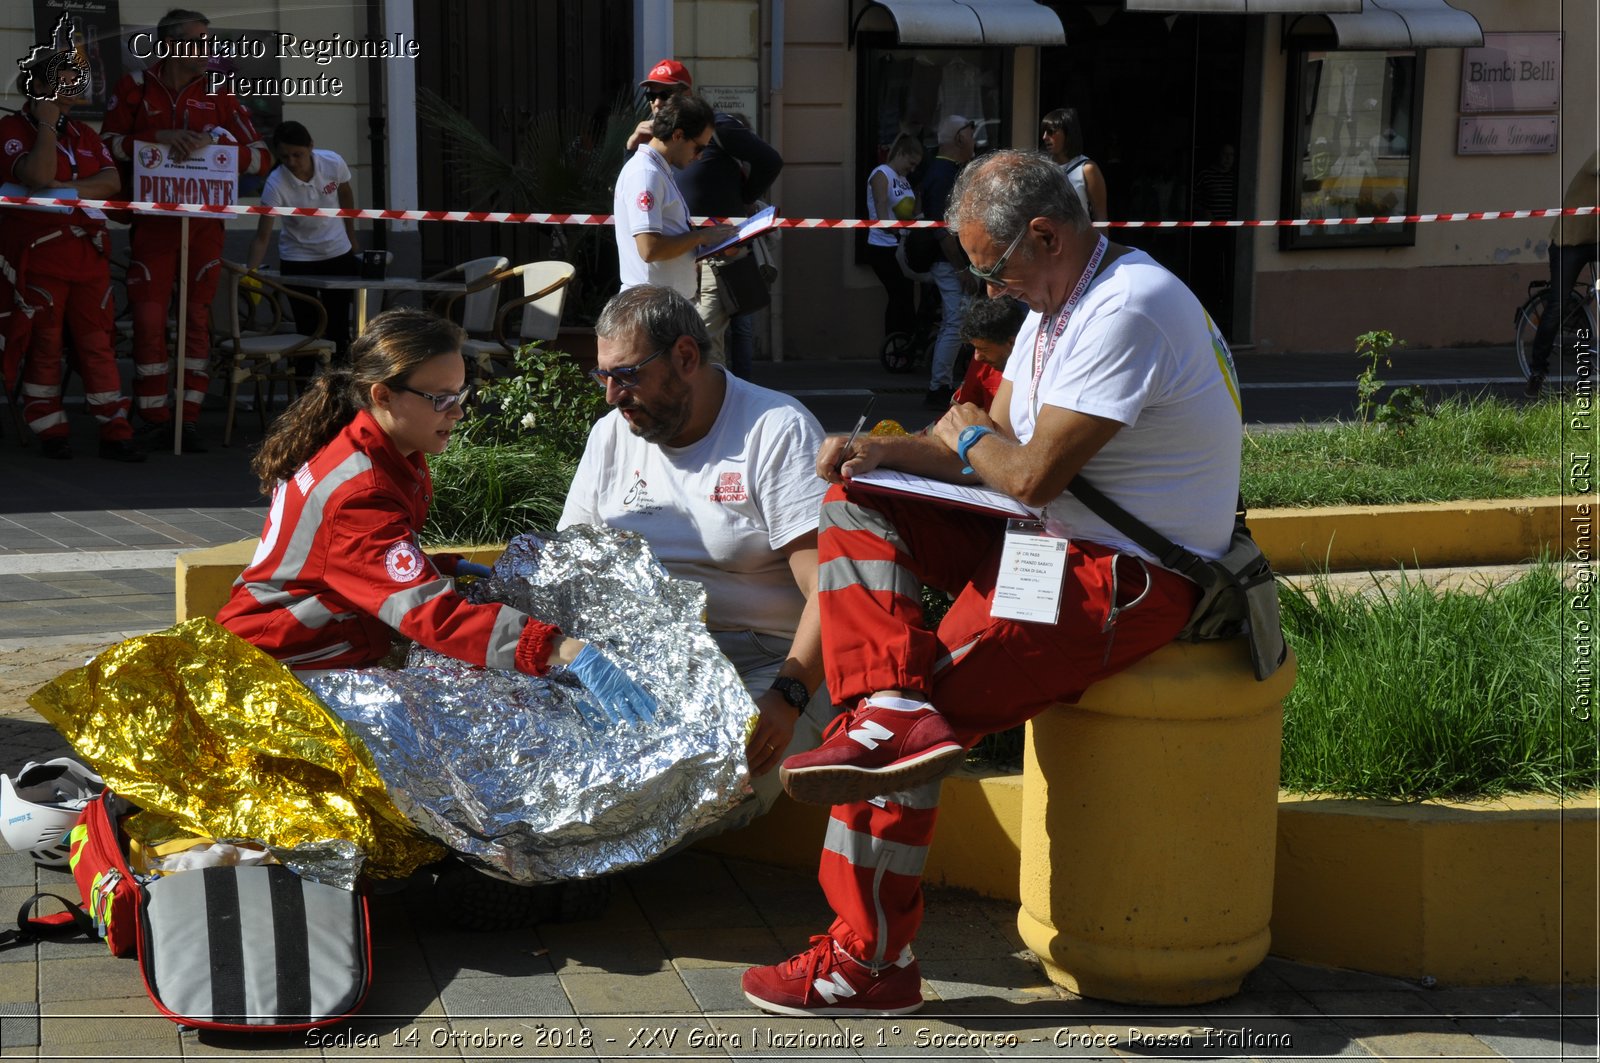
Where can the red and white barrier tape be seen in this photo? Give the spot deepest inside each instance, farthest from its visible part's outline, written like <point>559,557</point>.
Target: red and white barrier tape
<point>781,223</point>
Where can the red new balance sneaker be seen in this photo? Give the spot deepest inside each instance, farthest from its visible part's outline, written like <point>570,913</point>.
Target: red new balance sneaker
<point>878,748</point>
<point>825,980</point>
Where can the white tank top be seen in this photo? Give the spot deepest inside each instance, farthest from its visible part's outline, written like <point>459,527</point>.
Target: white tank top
<point>899,189</point>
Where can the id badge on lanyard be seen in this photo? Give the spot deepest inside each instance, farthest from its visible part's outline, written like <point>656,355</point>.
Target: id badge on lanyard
<point>1050,329</point>
<point>1033,571</point>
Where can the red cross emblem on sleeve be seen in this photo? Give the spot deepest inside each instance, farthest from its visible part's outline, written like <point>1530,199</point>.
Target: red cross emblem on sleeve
<point>646,200</point>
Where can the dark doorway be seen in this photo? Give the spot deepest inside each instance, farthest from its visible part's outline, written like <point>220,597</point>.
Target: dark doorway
<point>500,63</point>
<point>1159,96</point>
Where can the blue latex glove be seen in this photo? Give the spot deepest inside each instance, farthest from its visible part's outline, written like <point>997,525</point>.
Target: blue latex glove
<point>472,568</point>
<point>623,700</point>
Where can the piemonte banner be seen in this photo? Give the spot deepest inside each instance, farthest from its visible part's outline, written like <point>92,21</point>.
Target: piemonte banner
<point>209,177</point>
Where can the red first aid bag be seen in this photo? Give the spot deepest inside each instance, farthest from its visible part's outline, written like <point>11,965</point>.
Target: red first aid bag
<point>98,856</point>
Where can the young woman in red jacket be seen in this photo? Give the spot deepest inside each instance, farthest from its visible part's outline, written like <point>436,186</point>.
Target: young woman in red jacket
<point>339,572</point>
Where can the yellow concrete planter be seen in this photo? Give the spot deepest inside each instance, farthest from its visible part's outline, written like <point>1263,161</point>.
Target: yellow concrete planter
<point>1482,892</point>
<point>1149,813</point>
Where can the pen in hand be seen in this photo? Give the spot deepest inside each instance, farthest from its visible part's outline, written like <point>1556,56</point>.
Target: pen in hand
<point>861,422</point>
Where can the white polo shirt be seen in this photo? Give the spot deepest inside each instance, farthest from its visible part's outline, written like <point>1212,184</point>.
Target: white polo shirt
<point>309,239</point>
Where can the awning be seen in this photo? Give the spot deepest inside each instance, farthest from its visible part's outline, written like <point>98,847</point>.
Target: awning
<point>1244,7</point>
<point>966,21</point>
<point>1389,24</point>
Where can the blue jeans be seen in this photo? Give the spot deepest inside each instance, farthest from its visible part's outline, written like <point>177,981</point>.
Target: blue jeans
<point>952,308</point>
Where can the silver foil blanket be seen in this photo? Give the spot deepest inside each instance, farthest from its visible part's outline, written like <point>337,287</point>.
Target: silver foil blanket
<point>502,768</point>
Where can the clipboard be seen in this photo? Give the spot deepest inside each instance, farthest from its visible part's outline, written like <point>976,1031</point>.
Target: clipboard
<point>984,500</point>
<point>753,226</point>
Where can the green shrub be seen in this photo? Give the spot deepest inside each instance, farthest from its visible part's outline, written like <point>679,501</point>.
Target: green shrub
<point>545,398</point>
<point>490,494</point>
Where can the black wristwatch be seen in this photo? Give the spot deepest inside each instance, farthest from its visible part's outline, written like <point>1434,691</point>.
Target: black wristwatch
<point>793,691</point>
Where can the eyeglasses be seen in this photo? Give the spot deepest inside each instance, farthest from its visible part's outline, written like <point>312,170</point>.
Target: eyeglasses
<point>992,274</point>
<point>441,403</point>
<point>625,377</point>
<point>697,145</point>
<point>659,94</point>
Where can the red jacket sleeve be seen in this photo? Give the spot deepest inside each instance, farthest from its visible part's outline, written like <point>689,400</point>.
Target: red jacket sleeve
<point>117,128</point>
<point>382,572</point>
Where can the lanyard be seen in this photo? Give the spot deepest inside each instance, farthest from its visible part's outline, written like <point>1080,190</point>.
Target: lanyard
<point>61,145</point>
<point>1056,324</point>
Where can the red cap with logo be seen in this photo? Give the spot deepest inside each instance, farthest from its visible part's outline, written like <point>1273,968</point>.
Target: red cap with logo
<point>668,72</point>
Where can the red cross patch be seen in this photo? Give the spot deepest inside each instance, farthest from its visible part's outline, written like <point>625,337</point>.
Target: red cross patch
<point>645,200</point>
<point>403,562</point>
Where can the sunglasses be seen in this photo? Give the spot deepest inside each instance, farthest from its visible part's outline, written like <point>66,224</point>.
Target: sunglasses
<point>626,377</point>
<point>992,274</point>
<point>659,94</point>
<point>441,403</point>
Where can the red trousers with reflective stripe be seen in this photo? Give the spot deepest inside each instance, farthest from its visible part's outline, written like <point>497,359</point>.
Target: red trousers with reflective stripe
<point>152,287</point>
<point>983,674</point>
<point>69,286</point>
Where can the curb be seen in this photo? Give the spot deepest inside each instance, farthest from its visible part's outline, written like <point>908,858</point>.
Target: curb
<point>1502,531</point>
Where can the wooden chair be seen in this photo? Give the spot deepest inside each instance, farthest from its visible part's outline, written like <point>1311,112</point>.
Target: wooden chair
<point>534,315</point>
<point>252,348</point>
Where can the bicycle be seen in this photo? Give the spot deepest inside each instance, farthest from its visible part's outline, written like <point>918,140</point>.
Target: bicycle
<point>1574,340</point>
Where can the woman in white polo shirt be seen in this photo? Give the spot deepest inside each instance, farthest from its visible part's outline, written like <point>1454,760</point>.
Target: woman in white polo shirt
<point>307,176</point>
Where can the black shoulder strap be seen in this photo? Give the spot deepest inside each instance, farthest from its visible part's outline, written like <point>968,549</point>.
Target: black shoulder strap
<point>30,928</point>
<point>1169,553</point>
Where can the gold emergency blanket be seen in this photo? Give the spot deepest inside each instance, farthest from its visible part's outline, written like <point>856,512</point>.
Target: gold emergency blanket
<point>210,733</point>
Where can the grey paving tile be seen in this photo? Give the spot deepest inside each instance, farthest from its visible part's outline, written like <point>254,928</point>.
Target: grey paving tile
<point>525,995</point>
<point>587,948</point>
<point>19,1025</point>
<point>92,982</point>
<point>1311,976</point>
<point>675,893</point>
<point>716,989</point>
<point>1524,1037</point>
<point>1490,1001</point>
<point>983,977</point>
<point>106,1021</point>
<point>1413,1038</point>
<point>1364,1003</point>
<point>719,946</point>
<point>458,955</point>
<point>609,993</point>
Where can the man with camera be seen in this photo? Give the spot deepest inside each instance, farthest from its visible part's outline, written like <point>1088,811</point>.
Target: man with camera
<point>1118,373</point>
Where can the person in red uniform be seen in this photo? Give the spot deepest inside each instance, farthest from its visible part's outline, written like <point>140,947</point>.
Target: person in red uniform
<point>54,274</point>
<point>338,571</point>
<point>991,327</point>
<point>169,103</point>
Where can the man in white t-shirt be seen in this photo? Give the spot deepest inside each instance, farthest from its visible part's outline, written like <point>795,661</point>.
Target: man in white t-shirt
<point>308,176</point>
<point>655,244</point>
<point>716,474</point>
<point>1118,373</point>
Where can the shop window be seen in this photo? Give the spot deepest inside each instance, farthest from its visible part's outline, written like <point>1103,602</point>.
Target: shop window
<point>911,89</point>
<point>1353,120</point>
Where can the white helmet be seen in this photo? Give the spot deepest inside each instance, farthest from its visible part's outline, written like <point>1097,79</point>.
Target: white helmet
<point>41,807</point>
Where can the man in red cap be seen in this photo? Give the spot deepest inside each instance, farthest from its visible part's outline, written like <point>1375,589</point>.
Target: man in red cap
<point>736,169</point>
<point>169,103</point>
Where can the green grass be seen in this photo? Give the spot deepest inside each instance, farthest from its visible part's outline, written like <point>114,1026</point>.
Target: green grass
<point>1465,449</point>
<point>1409,692</point>
<point>489,494</point>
